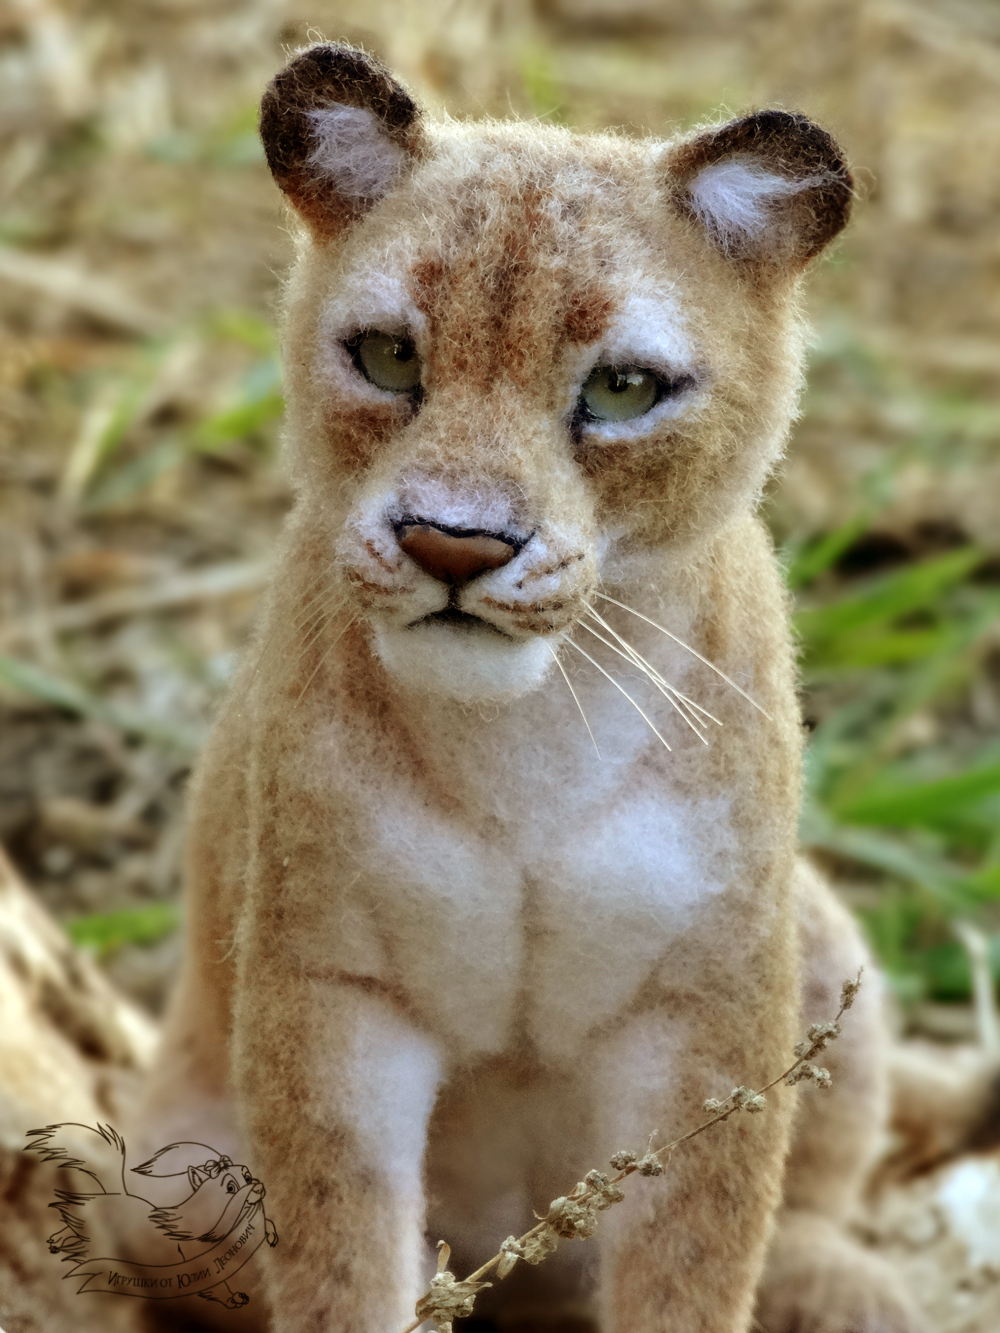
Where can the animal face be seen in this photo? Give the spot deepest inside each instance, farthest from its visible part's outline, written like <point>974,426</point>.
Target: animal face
<point>210,1212</point>
<point>524,361</point>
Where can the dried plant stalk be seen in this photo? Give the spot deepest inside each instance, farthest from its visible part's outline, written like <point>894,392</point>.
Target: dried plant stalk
<point>574,1216</point>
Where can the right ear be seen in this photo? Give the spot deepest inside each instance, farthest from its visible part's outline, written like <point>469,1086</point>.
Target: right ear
<point>338,132</point>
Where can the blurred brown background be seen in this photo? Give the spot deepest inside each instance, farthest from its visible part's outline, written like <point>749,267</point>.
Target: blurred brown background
<point>141,252</point>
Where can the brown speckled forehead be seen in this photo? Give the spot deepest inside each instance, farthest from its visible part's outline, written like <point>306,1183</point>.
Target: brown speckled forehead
<point>517,278</point>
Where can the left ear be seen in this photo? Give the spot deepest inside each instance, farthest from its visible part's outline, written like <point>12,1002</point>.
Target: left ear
<point>770,188</point>
<point>339,132</point>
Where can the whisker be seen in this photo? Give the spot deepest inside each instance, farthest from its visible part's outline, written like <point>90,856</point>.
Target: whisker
<point>687,648</point>
<point>316,627</point>
<point>697,707</point>
<point>555,658</point>
<point>326,653</point>
<point>674,697</point>
<point>312,628</point>
<point>316,592</point>
<point>628,696</point>
<point>306,609</point>
<point>659,683</point>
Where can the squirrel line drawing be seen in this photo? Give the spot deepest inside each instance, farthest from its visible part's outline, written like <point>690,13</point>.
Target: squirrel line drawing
<point>199,1197</point>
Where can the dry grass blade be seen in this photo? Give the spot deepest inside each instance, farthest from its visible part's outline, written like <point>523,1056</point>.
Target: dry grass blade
<point>98,297</point>
<point>574,1215</point>
<point>688,649</point>
<point>628,696</point>
<point>217,581</point>
<point>569,686</point>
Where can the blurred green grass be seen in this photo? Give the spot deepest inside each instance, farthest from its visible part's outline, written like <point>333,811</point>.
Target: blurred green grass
<point>103,933</point>
<point>876,650</point>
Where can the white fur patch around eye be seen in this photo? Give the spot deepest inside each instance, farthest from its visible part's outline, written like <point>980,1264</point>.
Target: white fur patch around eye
<point>648,332</point>
<point>369,300</point>
<point>353,150</point>
<point>731,197</point>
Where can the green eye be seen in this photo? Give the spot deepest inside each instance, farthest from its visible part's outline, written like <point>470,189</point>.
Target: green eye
<point>387,360</point>
<point>619,393</point>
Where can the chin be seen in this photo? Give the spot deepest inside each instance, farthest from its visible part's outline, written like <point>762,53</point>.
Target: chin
<point>463,658</point>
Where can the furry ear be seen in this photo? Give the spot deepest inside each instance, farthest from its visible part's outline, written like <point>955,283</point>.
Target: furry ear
<point>772,187</point>
<point>338,132</point>
<point>196,1178</point>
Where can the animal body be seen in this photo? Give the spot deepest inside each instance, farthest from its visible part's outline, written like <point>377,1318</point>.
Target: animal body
<point>460,924</point>
<point>192,1197</point>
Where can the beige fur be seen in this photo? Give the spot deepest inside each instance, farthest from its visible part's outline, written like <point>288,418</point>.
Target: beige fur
<point>442,958</point>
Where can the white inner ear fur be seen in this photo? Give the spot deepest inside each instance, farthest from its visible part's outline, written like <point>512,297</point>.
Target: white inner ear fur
<point>731,197</point>
<point>353,150</point>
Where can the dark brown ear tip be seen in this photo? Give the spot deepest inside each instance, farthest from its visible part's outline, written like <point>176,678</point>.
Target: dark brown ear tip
<point>319,76</point>
<point>334,72</point>
<point>788,138</point>
<point>793,145</point>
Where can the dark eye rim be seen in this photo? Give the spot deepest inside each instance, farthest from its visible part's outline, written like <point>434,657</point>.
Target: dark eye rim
<point>666,387</point>
<point>352,346</point>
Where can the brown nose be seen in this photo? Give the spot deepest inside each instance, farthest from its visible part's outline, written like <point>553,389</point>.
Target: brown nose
<point>453,555</point>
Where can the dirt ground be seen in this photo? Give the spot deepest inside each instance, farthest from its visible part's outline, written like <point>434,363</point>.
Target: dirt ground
<point>141,251</point>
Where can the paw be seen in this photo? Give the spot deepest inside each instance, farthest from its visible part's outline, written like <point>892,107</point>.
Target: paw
<point>818,1280</point>
<point>237,1299</point>
<point>270,1234</point>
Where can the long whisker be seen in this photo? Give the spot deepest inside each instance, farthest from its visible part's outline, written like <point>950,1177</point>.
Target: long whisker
<point>316,591</point>
<point>647,665</point>
<point>316,597</point>
<point>555,658</point>
<point>687,648</point>
<point>628,696</point>
<point>632,662</point>
<point>326,653</point>
<point>697,707</point>
<point>672,693</point>
<point>317,625</point>
<point>311,629</point>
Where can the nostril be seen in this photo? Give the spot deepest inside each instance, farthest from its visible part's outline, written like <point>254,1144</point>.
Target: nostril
<point>454,556</point>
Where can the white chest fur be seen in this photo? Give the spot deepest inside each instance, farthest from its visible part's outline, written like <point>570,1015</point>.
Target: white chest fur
<point>489,938</point>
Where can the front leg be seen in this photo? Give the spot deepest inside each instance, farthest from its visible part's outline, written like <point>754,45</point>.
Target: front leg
<point>335,1088</point>
<point>683,1252</point>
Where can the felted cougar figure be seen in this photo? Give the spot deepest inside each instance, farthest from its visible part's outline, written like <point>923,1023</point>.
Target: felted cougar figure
<point>443,956</point>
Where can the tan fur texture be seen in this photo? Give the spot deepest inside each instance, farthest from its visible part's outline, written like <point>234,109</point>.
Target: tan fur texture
<point>442,957</point>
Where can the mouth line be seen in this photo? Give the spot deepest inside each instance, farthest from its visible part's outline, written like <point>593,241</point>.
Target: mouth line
<point>455,619</point>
